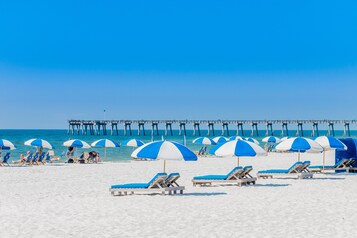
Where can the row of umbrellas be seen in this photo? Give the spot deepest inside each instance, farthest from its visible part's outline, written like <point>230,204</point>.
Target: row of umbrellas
<point>8,145</point>
<point>170,150</point>
<point>222,139</point>
<point>166,150</point>
<point>105,143</point>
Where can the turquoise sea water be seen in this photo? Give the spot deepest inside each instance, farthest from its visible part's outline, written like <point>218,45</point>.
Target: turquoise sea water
<point>57,137</point>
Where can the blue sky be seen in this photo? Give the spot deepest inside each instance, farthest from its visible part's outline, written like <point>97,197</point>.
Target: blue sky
<point>176,59</point>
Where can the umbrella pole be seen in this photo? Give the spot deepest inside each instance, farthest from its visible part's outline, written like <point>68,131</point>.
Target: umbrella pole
<point>323,162</point>
<point>237,160</point>
<point>298,155</point>
<point>164,166</point>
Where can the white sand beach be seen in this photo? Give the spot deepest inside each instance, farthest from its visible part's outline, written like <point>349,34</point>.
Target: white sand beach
<point>74,201</point>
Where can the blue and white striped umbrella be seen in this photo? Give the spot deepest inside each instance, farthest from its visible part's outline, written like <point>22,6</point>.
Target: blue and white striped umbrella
<point>39,143</point>
<point>251,139</point>
<point>164,150</point>
<point>299,144</point>
<point>235,138</point>
<point>220,139</point>
<point>105,143</point>
<point>203,141</point>
<point>328,143</point>
<point>132,143</point>
<point>271,139</point>
<point>76,143</point>
<point>238,148</point>
<point>6,145</point>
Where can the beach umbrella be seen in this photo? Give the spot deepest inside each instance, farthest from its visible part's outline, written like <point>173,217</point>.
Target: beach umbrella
<point>6,145</point>
<point>203,141</point>
<point>132,143</point>
<point>235,138</point>
<point>220,139</point>
<point>39,143</point>
<point>238,148</point>
<point>299,144</point>
<point>251,139</point>
<point>271,139</point>
<point>285,138</point>
<point>329,143</point>
<point>77,144</point>
<point>164,150</point>
<point>106,143</point>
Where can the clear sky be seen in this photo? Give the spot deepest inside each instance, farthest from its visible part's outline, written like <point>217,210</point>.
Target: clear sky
<point>260,59</point>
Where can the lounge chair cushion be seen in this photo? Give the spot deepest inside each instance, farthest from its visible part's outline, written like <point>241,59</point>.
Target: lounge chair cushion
<point>211,177</point>
<point>139,185</point>
<point>320,167</point>
<point>131,185</point>
<point>173,175</point>
<point>218,177</point>
<point>274,171</point>
<point>280,171</point>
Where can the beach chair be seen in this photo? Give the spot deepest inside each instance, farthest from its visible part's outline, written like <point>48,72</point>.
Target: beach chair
<point>6,159</point>
<point>41,159</point>
<point>305,166</point>
<point>33,159</point>
<point>350,163</point>
<point>340,165</point>
<point>247,176</point>
<point>233,177</point>
<point>30,158</point>
<point>155,185</point>
<point>171,182</point>
<point>51,158</point>
<point>295,169</point>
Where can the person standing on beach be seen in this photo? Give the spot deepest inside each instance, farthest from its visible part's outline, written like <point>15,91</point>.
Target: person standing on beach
<point>70,154</point>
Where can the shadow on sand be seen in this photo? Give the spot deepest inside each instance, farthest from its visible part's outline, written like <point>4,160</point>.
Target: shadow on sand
<point>201,194</point>
<point>272,185</point>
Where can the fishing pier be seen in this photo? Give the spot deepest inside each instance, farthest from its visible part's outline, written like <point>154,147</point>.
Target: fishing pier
<point>99,127</point>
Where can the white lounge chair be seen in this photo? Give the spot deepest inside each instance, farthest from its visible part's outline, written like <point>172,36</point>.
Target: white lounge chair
<point>233,177</point>
<point>155,185</point>
<point>343,164</point>
<point>171,182</point>
<point>294,170</point>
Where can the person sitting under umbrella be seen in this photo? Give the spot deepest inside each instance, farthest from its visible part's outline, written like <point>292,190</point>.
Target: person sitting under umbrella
<point>93,157</point>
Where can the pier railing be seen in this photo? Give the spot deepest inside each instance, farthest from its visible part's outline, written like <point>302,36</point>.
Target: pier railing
<point>98,127</point>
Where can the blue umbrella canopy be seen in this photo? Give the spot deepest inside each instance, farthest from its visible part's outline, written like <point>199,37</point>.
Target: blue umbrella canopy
<point>203,141</point>
<point>39,143</point>
<point>251,139</point>
<point>6,145</point>
<point>105,143</point>
<point>299,144</point>
<point>330,142</point>
<point>164,150</point>
<point>271,139</point>
<point>238,148</point>
<point>132,143</point>
<point>76,143</point>
<point>220,139</point>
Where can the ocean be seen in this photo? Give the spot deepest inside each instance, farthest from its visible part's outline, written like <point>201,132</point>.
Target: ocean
<point>122,154</point>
